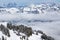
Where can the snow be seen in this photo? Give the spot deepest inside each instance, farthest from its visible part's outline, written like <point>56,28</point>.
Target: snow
<point>4,23</point>
<point>26,9</point>
<point>15,37</point>
<point>50,28</point>
<point>13,10</point>
<point>35,37</point>
<point>49,22</point>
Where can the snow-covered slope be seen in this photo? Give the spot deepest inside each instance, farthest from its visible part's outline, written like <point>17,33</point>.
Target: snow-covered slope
<point>15,37</point>
<point>12,34</point>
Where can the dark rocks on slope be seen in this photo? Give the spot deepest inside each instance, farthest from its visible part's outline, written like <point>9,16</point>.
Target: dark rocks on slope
<point>4,30</point>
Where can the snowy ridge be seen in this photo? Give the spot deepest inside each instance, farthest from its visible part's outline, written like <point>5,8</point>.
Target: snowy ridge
<point>21,32</point>
<point>35,9</point>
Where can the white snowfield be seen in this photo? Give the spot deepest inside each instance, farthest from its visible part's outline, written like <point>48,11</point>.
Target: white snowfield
<point>47,20</point>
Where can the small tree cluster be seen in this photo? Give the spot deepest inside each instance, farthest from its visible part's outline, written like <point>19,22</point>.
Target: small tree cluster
<point>28,31</point>
<point>20,28</point>
<point>3,38</point>
<point>4,30</point>
<point>45,37</point>
<point>9,25</point>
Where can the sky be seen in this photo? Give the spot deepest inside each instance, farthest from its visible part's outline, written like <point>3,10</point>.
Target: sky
<point>20,2</point>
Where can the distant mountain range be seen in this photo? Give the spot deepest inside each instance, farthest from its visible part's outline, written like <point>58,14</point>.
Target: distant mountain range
<point>39,8</point>
<point>17,5</point>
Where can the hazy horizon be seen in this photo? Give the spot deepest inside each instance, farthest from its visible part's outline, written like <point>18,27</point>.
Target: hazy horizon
<point>25,2</point>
